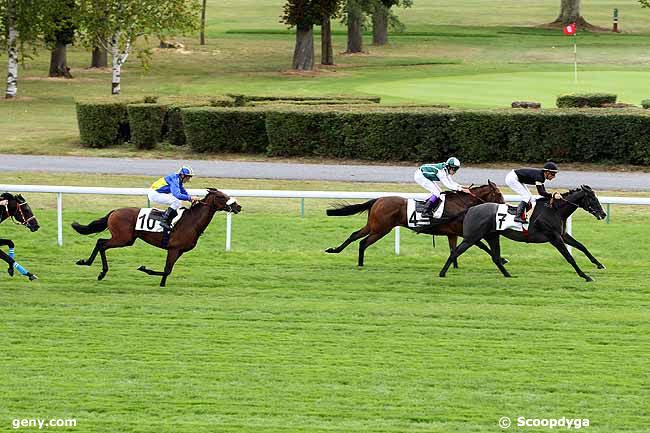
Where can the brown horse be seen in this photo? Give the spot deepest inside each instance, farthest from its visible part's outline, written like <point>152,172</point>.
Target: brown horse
<point>388,212</point>
<point>183,237</point>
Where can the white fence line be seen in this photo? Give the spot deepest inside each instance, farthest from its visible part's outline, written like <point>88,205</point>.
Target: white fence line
<point>60,190</point>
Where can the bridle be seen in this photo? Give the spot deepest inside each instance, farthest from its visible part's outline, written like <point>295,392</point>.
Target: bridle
<point>228,207</point>
<point>19,209</point>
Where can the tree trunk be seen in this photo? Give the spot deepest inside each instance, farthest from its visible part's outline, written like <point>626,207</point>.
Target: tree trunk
<point>380,25</point>
<point>303,54</point>
<point>118,60</point>
<point>59,62</point>
<point>569,12</point>
<point>355,35</point>
<point>327,51</point>
<point>12,54</point>
<point>203,6</point>
<point>100,58</point>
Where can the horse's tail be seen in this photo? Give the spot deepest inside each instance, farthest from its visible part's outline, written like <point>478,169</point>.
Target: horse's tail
<point>351,209</point>
<point>96,226</point>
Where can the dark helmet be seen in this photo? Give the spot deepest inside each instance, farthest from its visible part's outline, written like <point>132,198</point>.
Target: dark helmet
<point>550,166</point>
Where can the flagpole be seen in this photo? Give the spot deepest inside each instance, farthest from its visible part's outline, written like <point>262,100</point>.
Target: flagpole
<point>575,58</point>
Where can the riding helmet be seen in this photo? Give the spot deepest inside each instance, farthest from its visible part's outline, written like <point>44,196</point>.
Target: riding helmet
<point>453,162</point>
<point>551,166</point>
<point>186,170</point>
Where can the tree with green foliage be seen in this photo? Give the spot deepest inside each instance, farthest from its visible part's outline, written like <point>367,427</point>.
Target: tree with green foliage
<point>115,25</point>
<point>61,15</point>
<point>383,18</point>
<point>304,15</point>
<point>21,24</point>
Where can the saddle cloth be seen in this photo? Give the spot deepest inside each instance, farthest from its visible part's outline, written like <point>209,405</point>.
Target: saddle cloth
<point>149,219</point>
<point>414,210</point>
<point>505,219</point>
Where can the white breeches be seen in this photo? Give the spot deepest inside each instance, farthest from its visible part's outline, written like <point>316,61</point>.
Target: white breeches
<point>519,188</point>
<point>425,183</point>
<point>168,199</point>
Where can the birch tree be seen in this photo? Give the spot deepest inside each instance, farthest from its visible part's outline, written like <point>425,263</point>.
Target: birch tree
<point>21,24</point>
<point>116,25</point>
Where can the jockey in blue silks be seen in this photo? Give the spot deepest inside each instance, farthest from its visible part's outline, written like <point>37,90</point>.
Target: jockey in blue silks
<point>169,190</point>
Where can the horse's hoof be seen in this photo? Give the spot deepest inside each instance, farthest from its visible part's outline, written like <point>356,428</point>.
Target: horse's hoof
<point>442,275</point>
<point>81,262</point>
<point>330,250</point>
<point>32,277</point>
<point>588,279</point>
<point>142,268</point>
<point>601,266</point>
<point>507,275</point>
<point>101,276</point>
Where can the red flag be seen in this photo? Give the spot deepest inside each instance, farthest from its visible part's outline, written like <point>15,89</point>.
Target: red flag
<point>570,29</point>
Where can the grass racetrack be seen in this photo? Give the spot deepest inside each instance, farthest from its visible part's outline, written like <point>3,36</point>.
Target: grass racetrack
<point>278,336</point>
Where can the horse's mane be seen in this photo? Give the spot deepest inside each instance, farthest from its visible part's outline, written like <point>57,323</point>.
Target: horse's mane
<point>456,192</point>
<point>201,203</point>
<point>7,196</point>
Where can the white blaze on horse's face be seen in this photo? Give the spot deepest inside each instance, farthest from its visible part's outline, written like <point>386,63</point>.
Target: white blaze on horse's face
<point>231,201</point>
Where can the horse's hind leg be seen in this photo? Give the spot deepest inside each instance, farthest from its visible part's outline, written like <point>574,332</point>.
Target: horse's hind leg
<point>105,244</point>
<point>353,237</point>
<point>455,254</point>
<point>366,242</point>
<point>495,247</point>
<point>93,254</point>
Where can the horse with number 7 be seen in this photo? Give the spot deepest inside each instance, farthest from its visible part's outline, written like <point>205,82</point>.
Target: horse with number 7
<point>128,224</point>
<point>547,224</point>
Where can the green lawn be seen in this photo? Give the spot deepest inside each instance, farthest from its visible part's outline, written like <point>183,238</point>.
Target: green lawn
<point>278,336</point>
<point>466,54</point>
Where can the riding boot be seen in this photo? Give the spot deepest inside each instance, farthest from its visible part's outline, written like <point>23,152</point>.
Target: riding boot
<point>428,209</point>
<point>521,213</point>
<point>167,218</point>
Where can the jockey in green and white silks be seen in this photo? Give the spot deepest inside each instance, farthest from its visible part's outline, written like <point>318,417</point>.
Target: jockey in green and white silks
<point>428,176</point>
<point>169,190</point>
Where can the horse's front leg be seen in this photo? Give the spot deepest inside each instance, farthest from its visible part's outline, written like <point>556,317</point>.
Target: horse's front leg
<point>453,242</point>
<point>172,256</point>
<point>569,240</point>
<point>5,257</point>
<point>487,249</point>
<point>556,240</point>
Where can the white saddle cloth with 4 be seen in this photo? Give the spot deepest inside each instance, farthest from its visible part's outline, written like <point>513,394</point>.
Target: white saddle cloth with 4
<point>414,210</point>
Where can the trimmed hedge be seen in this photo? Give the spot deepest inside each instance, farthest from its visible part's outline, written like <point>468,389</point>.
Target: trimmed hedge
<point>146,122</point>
<point>104,121</point>
<point>578,100</point>
<point>214,129</point>
<point>310,102</point>
<point>243,100</point>
<point>645,103</point>
<point>378,133</point>
<point>173,129</point>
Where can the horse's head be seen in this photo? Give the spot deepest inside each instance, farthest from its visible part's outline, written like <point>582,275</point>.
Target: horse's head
<point>221,201</point>
<point>17,208</point>
<point>488,193</point>
<point>585,197</point>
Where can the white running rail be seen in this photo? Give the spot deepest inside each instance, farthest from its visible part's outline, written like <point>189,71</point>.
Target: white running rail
<point>60,190</point>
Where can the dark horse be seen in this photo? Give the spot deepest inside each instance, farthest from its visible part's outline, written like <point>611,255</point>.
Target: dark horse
<point>388,212</point>
<point>183,237</point>
<point>547,224</point>
<point>16,208</point>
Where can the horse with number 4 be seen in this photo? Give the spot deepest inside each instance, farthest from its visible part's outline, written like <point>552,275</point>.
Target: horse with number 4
<point>128,224</point>
<point>15,207</point>
<point>547,224</point>
<point>384,213</point>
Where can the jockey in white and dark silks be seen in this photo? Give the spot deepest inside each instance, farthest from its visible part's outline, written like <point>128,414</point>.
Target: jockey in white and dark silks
<point>518,179</point>
<point>169,190</point>
<point>428,175</point>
